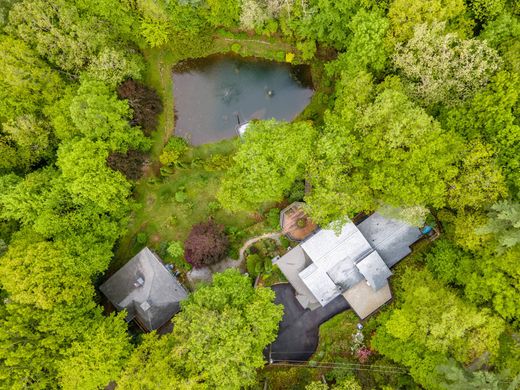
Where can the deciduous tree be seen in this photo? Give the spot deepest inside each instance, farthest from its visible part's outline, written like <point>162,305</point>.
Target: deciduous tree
<point>444,68</point>
<point>217,339</point>
<point>206,244</point>
<point>433,323</point>
<point>504,223</point>
<point>388,151</point>
<point>405,16</point>
<point>272,156</point>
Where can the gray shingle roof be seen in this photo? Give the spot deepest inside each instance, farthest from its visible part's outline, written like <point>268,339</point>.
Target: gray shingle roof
<point>146,289</point>
<point>375,271</point>
<point>389,237</point>
<point>329,264</point>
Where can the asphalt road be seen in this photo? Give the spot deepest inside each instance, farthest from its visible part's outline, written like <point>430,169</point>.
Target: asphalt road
<point>298,333</point>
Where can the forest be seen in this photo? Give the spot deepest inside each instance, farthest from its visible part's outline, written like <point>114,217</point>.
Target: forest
<point>416,105</point>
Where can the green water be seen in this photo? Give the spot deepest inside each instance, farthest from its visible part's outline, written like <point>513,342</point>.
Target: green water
<point>212,94</point>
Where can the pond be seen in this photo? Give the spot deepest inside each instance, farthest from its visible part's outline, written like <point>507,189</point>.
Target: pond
<point>213,94</point>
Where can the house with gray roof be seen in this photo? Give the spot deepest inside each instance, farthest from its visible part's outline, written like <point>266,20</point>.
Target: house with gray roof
<point>354,262</point>
<point>146,289</point>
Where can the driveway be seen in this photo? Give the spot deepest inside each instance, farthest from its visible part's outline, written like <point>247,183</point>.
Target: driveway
<point>298,333</point>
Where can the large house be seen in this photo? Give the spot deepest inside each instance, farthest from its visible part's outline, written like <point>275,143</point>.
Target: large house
<point>354,263</point>
<point>146,289</point>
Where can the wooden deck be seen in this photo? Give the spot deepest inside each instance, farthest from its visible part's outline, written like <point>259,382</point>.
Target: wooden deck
<point>296,225</point>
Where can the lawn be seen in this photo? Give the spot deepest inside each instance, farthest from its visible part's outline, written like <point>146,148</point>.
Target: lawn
<point>167,207</point>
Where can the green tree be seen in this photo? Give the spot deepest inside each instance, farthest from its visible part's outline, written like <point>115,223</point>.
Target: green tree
<point>432,324</point>
<point>27,84</point>
<point>504,223</point>
<point>224,13</point>
<point>366,48</point>
<point>480,181</point>
<point>217,339</point>
<point>405,16</point>
<point>83,166</point>
<point>99,115</point>
<point>503,34</point>
<point>40,348</point>
<point>155,22</point>
<point>42,202</point>
<point>484,10</point>
<point>70,34</point>
<point>32,137</point>
<point>46,263</point>
<point>96,359</point>
<point>456,378</point>
<point>388,151</point>
<point>113,66</point>
<point>328,21</point>
<point>443,68</point>
<point>271,158</point>
<point>491,116</point>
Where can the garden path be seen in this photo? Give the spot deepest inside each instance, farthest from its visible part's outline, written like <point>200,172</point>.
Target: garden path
<point>251,241</point>
<point>205,274</point>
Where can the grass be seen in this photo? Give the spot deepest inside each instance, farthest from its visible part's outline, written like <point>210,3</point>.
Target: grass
<point>158,214</point>
<point>163,217</point>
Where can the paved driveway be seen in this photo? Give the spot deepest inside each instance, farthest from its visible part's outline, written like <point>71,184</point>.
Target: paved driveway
<point>298,333</point>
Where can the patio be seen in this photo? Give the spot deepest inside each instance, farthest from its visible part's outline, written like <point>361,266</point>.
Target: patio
<point>296,225</point>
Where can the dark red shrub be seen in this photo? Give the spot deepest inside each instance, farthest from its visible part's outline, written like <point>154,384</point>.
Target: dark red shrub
<point>129,164</point>
<point>206,244</point>
<point>144,101</point>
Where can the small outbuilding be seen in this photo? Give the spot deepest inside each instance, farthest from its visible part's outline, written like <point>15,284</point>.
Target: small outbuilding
<point>146,289</point>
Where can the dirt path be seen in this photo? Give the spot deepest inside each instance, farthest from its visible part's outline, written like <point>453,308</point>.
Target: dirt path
<point>205,274</point>
<point>251,241</point>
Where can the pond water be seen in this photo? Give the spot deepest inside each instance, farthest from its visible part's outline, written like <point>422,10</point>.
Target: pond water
<point>213,94</point>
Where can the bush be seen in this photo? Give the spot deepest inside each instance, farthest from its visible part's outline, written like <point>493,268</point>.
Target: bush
<point>181,196</point>
<point>217,162</point>
<point>284,242</point>
<point>257,265</point>
<point>214,206</point>
<point>273,218</point>
<point>173,151</point>
<point>129,164</point>
<point>175,249</point>
<point>141,238</point>
<point>206,244</point>
<point>235,47</point>
<point>176,253</point>
<point>235,236</point>
<point>145,103</point>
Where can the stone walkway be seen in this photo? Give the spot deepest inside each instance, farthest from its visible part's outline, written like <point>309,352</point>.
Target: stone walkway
<point>205,274</point>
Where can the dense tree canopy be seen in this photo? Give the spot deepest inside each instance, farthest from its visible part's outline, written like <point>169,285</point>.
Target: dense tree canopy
<point>433,323</point>
<point>386,150</point>
<point>273,156</point>
<point>217,339</point>
<point>416,105</point>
